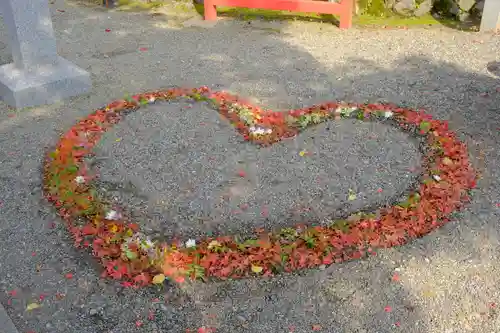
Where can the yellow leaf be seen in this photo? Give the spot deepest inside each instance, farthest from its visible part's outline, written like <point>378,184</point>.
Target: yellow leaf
<point>428,293</point>
<point>213,244</point>
<point>352,196</point>
<point>256,269</point>
<point>302,153</point>
<point>118,140</point>
<point>447,161</point>
<point>158,279</point>
<point>32,306</point>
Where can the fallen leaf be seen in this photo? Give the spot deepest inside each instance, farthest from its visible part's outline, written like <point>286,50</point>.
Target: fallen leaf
<point>302,153</point>
<point>397,324</point>
<point>316,327</point>
<point>264,212</point>
<point>69,276</point>
<point>379,190</point>
<point>351,196</point>
<point>138,323</point>
<point>241,173</point>
<point>395,277</point>
<point>108,30</point>
<point>387,309</point>
<point>61,11</point>
<point>151,315</point>
<point>118,140</point>
<point>32,306</point>
<point>59,296</point>
<point>447,161</point>
<point>143,49</point>
<point>256,269</point>
<point>11,115</point>
<point>158,279</point>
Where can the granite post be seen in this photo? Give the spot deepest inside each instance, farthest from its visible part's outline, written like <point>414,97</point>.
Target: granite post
<point>491,15</point>
<point>38,74</point>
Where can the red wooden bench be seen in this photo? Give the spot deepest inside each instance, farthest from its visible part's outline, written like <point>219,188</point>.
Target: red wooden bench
<point>343,9</point>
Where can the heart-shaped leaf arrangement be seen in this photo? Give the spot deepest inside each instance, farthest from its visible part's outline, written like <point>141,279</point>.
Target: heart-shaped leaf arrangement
<point>129,255</point>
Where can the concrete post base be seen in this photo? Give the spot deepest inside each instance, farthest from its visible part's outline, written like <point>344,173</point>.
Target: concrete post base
<point>45,85</point>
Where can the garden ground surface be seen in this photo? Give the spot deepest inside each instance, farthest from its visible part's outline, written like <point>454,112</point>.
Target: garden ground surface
<point>445,282</point>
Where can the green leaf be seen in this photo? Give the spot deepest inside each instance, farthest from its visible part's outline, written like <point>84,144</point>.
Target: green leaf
<point>72,169</point>
<point>131,254</point>
<point>342,225</point>
<point>127,98</point>
<point>425,126</point>
<point>360,115</point>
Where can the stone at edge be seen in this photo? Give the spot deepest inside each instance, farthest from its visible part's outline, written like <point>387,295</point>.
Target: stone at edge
<point>38,74</point>
<point>405,7</point>
<point>424,8</point>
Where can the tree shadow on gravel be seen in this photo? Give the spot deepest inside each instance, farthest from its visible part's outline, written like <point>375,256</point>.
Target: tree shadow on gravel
<point>359,296</point>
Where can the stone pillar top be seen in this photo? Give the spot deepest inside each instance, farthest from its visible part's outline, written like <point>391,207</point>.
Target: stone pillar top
<point>30,31</point>
<point>38,74</point>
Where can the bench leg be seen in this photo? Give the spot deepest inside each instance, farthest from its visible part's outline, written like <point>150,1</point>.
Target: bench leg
<point>210,11</point>
<point>346,16</point>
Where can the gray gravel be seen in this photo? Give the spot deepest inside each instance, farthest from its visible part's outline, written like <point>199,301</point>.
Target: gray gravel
<point>176,167</point>
<point>448,279</point>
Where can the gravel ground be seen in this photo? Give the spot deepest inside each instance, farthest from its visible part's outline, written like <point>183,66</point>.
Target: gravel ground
<point>447,280</point>
<point>181,163</point>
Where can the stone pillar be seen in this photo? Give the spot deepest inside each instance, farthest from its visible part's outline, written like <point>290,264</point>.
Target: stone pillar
<point>491,15</point>
<point>38,74</point>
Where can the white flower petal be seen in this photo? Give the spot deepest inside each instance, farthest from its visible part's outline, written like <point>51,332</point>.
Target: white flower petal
<point>388,114</point>
<point>436,178</point>
<point>112,215</point>
<point>80,179</point>
<point>191,243</point>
